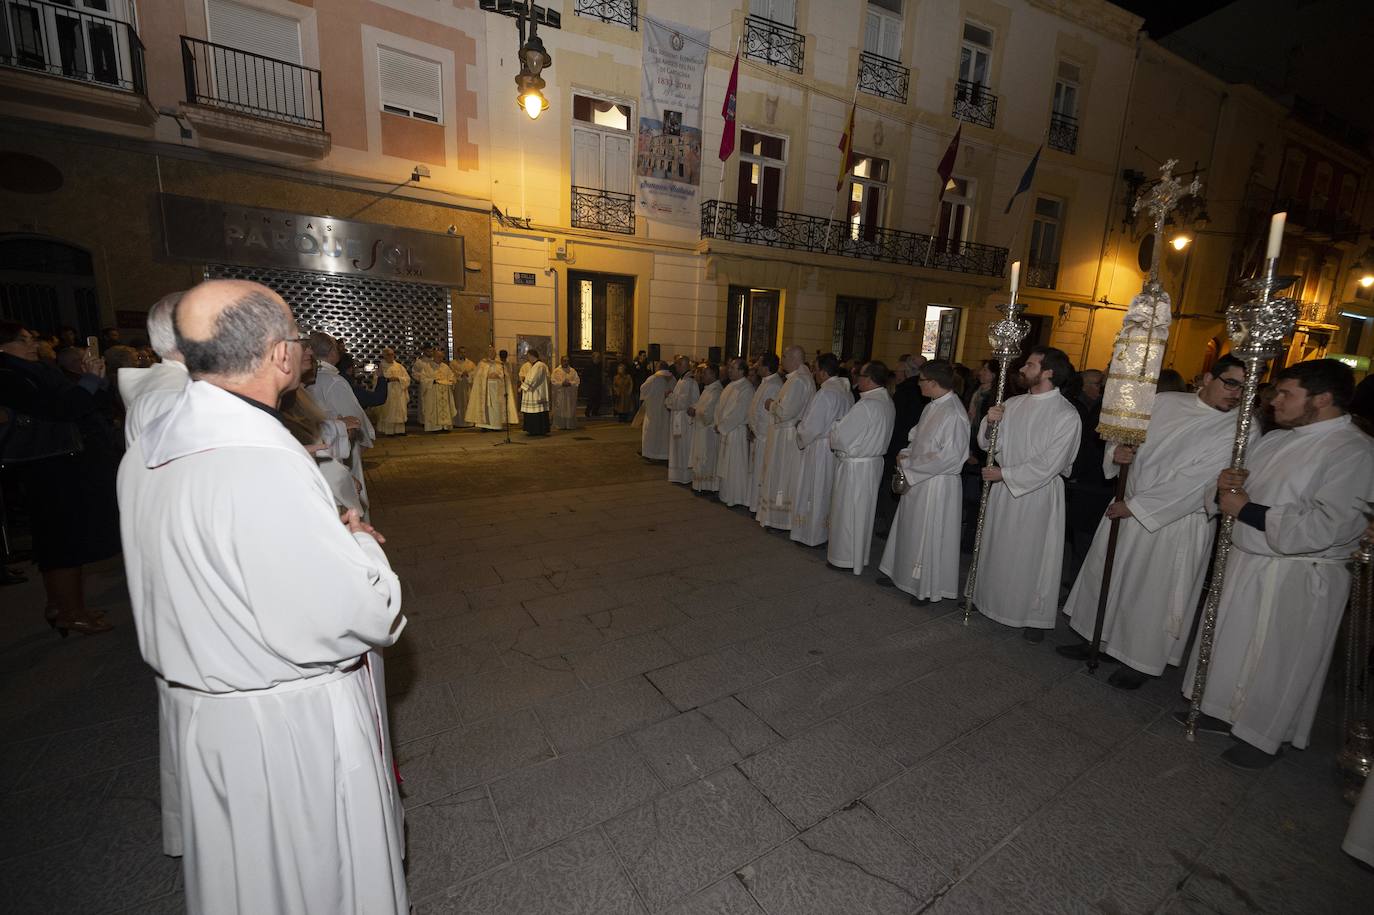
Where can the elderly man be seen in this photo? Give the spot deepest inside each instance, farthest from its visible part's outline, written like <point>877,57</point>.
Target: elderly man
<point>655,439</point>
<point>685,393</point>
<point>435,381</point>
<point>760,421</point>
<point>1299,513</point>
<point>260,608</point>
<point>563,394</point>
<point>463,369</point>
<point>811,501</point>
<point>336,398</point>
<point>148,393</point>
<point>1164,534</point>
<point>782,458</point>
<point>733,464</point>
<point>705,439</point>
<point>859,441</point>
<point>397,407</point>
<point>534,395</point>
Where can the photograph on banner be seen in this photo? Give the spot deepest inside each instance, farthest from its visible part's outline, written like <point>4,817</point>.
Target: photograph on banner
<point>668,159</point>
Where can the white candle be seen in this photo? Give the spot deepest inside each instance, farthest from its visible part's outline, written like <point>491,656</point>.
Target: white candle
<point>1015,275</point>
<point>1275,236</point>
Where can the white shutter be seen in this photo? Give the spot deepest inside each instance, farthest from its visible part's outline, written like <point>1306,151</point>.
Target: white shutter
<point>891,42</point>
<point>257,31</point>
<point>785,11</point>
<point>873,30</point>
<point>586,158</point>
<point>411,83</point>
<point>618,164</point>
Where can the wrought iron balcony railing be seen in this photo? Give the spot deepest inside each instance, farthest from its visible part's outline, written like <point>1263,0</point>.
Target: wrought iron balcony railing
<point>818,235</point>
<point>1063,132</point>
<point>883,77</point>
<point>608,211</point>
<point>1042,276</point>
<point>974,103</point>
<point>774,43</point>
<point>61,41</point>
<point>246,83</point>
<point>1317,313</point>
<point>618,12</point>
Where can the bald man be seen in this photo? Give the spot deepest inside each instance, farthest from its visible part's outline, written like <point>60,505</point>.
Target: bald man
<point>260,610</point>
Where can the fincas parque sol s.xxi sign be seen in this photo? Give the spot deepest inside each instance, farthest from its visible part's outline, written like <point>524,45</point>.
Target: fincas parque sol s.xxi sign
<point>209,231</point>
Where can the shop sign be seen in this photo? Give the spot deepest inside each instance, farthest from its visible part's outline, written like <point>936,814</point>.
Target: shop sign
<point>209,231</point>
<point>1356,363</point>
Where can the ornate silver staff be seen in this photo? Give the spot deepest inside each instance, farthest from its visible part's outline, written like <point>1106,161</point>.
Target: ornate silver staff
<point>1006,337</point>
<point>1357,756</point>
<point>1257,329</point>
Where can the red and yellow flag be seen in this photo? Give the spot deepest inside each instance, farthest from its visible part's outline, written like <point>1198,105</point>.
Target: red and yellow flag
<point>846,150</point>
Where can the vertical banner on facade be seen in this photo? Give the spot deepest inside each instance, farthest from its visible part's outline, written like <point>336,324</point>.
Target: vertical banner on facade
<point>669,155</point>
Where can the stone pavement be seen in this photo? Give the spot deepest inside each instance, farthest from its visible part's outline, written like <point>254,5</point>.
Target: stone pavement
<point>616,697</point>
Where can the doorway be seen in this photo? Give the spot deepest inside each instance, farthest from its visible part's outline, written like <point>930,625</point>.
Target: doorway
<point>600,319</point>
<point>940,332</point>
<point>751,322</point>
<point>852,335</point>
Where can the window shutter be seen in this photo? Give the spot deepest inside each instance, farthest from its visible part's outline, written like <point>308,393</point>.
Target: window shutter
<point>618,164</point>
<point>257,31</point>
<point>587,158</point>
<point>873,28</point>
<point>411,83</point>
<point>892,38</point>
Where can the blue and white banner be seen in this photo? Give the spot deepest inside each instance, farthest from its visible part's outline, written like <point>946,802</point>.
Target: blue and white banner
<point>668,158</point>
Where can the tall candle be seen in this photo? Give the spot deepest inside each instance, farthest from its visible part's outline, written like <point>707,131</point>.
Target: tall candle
<point>1275,236</point>
<point>1015,275</point>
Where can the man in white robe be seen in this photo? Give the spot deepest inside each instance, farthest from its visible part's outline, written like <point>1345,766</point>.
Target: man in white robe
<point>463,369</point>
<point>338,401</point>
<point>564,395</point>
<point>397,407</point>
<point>733,464</point>
<point>922,552</point>
<point>422,372</point>
<point>705,439</point>
<point>492,404</point>
<point>1165,532</point>
<point>1299,513</point>
<point>685,393</point>
<point>1021,558</point>
<point>260,608</point>
<point>436,391</point>
<point>656,437</point>
<point>782,458</point>
<point>811,500</point>
<point>760,421</point>
<point>534,395</point>
<point>859,442</point>
<point>150,392</point>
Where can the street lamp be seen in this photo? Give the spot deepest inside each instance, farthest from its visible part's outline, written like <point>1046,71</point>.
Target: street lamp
<point>1180,241</point>
<point>533,59</point>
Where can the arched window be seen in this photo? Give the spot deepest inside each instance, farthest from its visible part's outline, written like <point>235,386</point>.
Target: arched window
<point>45,283</point>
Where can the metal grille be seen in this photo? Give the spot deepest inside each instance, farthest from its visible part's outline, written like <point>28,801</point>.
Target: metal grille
<point>883,77</point>
<point>366,314</point>
<point>608,210</point>
<point>975,103</point>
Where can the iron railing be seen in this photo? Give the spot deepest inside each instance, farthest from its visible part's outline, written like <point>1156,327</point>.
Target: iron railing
<point>1063,132</point>
<point>883,77</point>
<point>816,234</point>
<point>974,103</point>
<point>618,12</point>
<point>1316,313</point>
<point>774,43</point>
<point>609,211</point>
<point>1042,276</point>
<point>71,43</point>
<point>241,81</point>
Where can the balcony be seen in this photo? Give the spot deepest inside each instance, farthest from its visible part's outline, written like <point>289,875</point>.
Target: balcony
<point>607,211</point>
<point>817,235</point>
<point>1322,313</point>
<point>883,77</point>
<point>1319,222</point>
<point>616,12</point>
<point>1063,133</point>
<point>974,103</point>
<point>73,60</point>
<point>1041,276</point>
<point>774,43</point>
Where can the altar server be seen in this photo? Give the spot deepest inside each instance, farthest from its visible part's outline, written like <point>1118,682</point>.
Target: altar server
<point>859,442</point>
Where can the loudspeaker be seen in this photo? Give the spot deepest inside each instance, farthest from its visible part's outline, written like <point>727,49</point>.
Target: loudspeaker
<point>654,352</point>
<point>713,356</point>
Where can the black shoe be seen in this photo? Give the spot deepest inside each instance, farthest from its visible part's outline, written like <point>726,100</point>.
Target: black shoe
<point>1248,758</point>
<point>885,581</point>
<point>1205,723</point>
<point>1082,651</point>
<point>1033,635</point>
<point>1128,678</point>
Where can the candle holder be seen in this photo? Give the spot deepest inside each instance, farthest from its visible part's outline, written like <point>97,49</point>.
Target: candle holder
<point>1357,753</point>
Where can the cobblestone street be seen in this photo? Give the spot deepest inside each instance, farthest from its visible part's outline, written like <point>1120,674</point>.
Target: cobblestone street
<point>615,697</point>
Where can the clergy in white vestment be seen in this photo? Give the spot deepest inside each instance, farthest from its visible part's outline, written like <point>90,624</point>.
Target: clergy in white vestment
<point>859,441</point>
<point>463,370</point>
<point>656,435</point>
<point>733,464</point>
<point>1165,531</point>
<point>436,392</point>
<point>1299,514</point>
<point>685,393</point>
<point>397,407</point>
<point>534,394</point>
<point>760,421</point>
<point>1020,562</point>
<point>921,556</point>
<point>492,404</point>
<point>782,458</point>
<point>811,499</point>
<point>149,392</point>
<point>563,394</point>
<point>260,609</point>
<point>422,372</point>
<point>336,398</point>
<point>705,439</point>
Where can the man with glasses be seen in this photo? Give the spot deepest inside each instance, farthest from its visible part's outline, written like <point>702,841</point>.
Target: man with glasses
<point>1165,534</point>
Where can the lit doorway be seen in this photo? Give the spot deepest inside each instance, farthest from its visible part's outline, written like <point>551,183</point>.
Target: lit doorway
<point>751,321</point>
<point>600,316</point>
<point>940,332</point>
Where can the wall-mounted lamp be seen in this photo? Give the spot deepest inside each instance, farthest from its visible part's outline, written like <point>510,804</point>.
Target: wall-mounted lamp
<point>1180,241</point>
<point>534,58</point>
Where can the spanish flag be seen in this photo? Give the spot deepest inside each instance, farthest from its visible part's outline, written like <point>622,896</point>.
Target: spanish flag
<point>846,149</point>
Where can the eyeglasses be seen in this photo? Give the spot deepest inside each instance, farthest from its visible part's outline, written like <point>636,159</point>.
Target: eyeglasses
<point>1231,384</point>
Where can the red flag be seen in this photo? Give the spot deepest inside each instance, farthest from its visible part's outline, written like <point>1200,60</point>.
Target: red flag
<point>727,111</point>
<point>846,150</point>
<point>946,167</point>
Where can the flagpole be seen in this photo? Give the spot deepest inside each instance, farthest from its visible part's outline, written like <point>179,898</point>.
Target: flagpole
<point>844,165</point>
<point>720,193</point>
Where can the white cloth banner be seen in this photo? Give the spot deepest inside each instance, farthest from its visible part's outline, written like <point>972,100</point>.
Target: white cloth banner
<point>668,160</point>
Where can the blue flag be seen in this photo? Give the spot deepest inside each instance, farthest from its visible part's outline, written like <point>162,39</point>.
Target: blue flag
<point>1026,180</point>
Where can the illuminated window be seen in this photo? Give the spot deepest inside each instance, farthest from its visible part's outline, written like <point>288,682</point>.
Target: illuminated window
<point>584,315</point>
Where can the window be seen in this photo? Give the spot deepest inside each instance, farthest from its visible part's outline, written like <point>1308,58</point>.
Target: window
<point>762,161</point>
<point>956,216</point>
<point>1046,231</point>
<point>783,11</point>
<point>602,183</point>
<point>257,31</point>
<point>1066,90</point>
<point>975,55</point>
<point>244,80</point>
<point>883,29</point>
<point>1293,163</point>
<point>770,36</point>
<point>1345,204</point>
<point>410,86</point>
<point>940,332</point>
<point>1321,186</point>
<point>751,321</point>
<point>867,197</point>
